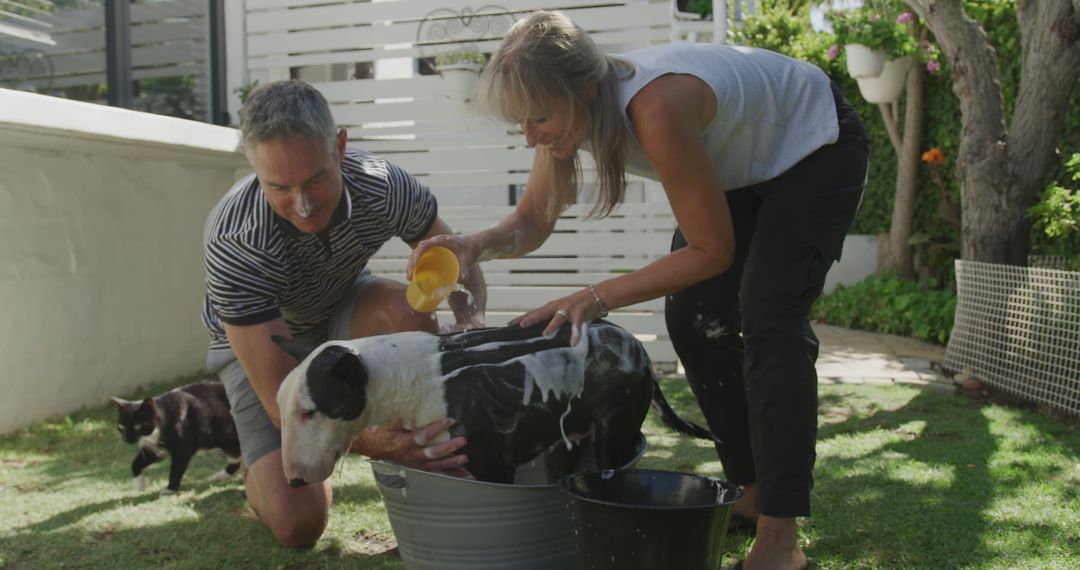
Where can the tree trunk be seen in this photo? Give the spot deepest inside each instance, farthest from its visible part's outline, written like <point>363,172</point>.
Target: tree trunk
<point>1050,35</point>
<point>907,173</point>
<point>1001,172</point>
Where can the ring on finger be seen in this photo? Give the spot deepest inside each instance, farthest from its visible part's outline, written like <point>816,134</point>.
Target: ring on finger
<point>562,313</point>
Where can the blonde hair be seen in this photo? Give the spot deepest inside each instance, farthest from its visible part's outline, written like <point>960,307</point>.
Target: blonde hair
<point>546,58</point>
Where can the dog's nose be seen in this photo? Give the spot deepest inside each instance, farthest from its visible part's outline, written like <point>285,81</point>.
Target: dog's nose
<point>297,482</point>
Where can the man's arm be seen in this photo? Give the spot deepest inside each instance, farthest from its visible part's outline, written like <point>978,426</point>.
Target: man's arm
<point>265,364</point>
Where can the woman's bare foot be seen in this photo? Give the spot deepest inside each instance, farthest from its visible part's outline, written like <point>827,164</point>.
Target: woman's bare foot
<point>776,546</point>
<point>744,507</point>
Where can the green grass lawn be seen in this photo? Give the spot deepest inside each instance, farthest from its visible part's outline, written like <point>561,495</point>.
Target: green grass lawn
<point>906,478</point>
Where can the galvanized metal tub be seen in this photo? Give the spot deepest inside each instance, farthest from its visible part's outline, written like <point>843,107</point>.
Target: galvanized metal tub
<point>444,522</point>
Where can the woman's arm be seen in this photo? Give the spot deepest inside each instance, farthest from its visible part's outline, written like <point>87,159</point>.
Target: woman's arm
<point>519,232</point>
<point>669,116</point>
<point>468,306</point>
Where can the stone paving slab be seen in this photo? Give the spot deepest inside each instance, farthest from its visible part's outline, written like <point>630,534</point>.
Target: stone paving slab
<point>861,358</point>
<point>854,357</point>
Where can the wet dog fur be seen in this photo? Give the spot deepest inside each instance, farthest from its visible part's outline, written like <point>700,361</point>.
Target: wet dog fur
<point>512,393</point>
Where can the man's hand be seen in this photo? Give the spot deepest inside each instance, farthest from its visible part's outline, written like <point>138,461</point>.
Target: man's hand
<point>413,448</point>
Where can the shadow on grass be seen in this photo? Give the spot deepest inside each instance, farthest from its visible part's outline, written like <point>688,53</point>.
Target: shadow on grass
<point>215,530</point>
<point>912,478</point>
<point>76,509</point>
<point>904,480</point>
<point>867,486</point>
<point>86,445</point>
<point>177,544</point>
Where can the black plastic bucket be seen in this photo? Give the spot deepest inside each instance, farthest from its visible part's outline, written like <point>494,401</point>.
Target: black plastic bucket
<point>640,518</point>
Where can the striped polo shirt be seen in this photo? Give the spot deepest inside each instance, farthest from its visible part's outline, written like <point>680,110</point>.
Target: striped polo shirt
<point>259,266</point>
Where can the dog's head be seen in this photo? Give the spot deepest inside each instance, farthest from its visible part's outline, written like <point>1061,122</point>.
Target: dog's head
<point>319,402</point>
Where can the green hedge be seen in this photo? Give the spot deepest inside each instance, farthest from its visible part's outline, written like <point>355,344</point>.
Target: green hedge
<point>885,303</point>
<point>778,30</point>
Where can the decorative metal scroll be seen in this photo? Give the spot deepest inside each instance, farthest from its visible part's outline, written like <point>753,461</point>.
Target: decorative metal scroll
<point>448,33</point>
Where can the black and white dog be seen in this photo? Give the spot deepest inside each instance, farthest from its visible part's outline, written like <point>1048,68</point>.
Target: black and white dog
<point>512,392</point>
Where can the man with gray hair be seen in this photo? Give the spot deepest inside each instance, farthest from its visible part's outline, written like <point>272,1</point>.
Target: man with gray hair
<point>286,250</point>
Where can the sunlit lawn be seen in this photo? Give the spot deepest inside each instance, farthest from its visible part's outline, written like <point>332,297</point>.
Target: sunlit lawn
<point>906,478</point>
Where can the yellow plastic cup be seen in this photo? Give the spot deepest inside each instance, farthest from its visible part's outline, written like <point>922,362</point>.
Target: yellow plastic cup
<point>434,278</point>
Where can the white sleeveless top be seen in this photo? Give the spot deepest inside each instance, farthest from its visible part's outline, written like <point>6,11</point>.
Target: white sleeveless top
<point>772,111</point>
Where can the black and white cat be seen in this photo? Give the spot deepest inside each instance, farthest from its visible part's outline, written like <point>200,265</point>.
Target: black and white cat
<point>180,422</point>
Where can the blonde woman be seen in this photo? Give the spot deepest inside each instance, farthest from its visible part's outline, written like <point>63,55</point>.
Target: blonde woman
<point>763,163</point>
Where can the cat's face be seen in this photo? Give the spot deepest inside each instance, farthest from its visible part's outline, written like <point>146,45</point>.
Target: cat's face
<point>135,420</point>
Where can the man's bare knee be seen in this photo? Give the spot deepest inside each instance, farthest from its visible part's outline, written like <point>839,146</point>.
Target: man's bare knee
<point>295,516</point>
<point>299,532</point>
<point>383,309</point>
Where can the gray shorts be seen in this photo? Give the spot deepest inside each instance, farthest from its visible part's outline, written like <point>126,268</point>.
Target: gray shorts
<point>258,435</point>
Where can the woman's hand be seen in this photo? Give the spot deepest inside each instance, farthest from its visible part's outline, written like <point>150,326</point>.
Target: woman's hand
<point>414,448</point>
<point>462,248</point>
<point>469,304</point>
<point>581,307</point>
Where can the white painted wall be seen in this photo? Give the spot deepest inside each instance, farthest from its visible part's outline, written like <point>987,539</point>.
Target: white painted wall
<point>857,262</point>
<point>101,279</point>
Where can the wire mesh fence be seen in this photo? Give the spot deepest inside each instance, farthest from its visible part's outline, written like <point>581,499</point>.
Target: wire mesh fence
<point>1048,261</point>
<point>1018,329</point>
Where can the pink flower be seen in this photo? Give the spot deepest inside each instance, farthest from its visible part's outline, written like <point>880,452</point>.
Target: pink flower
<point>834,50</point>
<point>904,18</point>
<point>933,67</point>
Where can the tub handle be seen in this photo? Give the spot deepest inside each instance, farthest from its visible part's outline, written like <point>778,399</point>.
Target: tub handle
<point>391,479</point>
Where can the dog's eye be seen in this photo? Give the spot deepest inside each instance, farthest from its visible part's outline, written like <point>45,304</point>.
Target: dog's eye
<point>307,415</point>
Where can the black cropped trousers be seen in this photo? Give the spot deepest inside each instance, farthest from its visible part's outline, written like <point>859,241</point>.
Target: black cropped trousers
<point>744,337</point>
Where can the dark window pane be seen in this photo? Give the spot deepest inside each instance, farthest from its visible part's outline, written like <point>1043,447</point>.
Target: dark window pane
<point>170,45</point>
<point>54,47</point>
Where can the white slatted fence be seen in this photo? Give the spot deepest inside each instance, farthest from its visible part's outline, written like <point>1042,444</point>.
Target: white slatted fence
<point>470,161</point>
<point>581,252</point>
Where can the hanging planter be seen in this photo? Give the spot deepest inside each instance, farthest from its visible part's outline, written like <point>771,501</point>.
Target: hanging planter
<point>886,87</point>
<point>460,70</point>
<point>460,79</point>
<point>863,61</point>
<point>870,38</point>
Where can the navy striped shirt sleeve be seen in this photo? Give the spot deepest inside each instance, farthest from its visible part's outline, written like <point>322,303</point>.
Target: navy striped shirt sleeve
<point>239,284</point>
<point>410,208</point>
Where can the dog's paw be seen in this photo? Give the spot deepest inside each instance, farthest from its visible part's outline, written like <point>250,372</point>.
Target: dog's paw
<point>139,483</point>
<point>167,491</point>
<point>219,476</point>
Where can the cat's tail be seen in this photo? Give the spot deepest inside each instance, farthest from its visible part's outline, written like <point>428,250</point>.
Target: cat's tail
<point>673,421</point>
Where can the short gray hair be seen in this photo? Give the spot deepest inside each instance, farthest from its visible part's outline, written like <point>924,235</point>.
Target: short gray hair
<point>279,109</point>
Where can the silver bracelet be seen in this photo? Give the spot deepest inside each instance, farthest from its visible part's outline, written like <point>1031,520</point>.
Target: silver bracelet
<point>600,304</point>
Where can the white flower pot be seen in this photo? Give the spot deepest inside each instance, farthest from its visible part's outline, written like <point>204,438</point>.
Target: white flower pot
<point>886,88</point>
<point>863,61</point>
<point>460,79</point>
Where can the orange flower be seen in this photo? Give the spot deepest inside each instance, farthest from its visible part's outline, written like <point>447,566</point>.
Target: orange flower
<point>933,156</point>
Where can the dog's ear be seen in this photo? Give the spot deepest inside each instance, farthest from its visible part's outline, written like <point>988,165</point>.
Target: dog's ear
<point>337,381</point>
<point>120,402</point>
<point>296,348</point>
